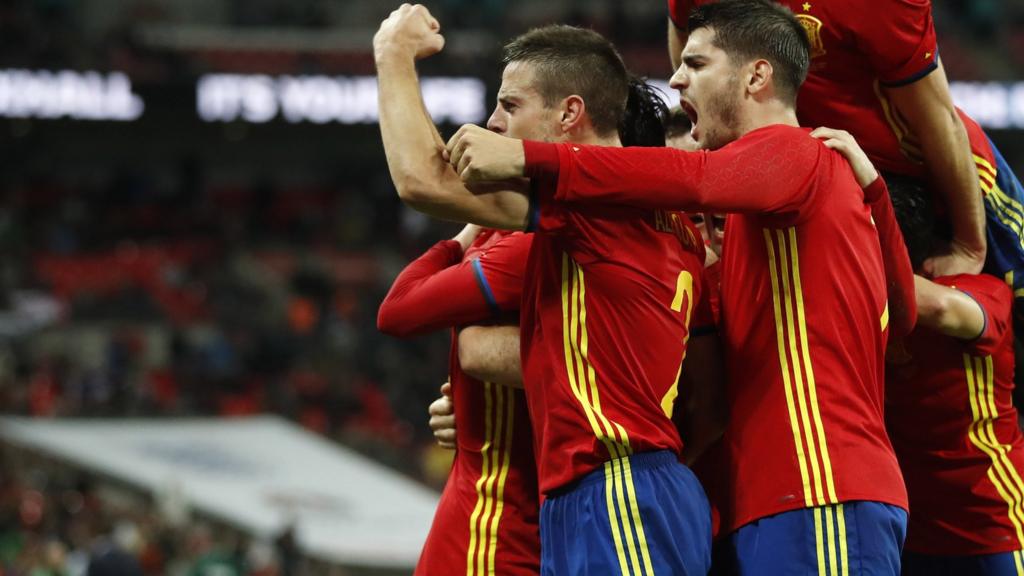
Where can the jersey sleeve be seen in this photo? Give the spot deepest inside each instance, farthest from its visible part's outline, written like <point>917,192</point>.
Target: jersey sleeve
<point>500,270</point>
<point>899,275</point>
<point>768,170</point>
<point>996,301</point>
<point>901,46</point>
<point>679,12</point>
<point>437,291</point>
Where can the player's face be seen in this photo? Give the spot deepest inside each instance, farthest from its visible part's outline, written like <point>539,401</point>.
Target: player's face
<point>709,91</point>
<point>714,231</point>
<point>521,111</point>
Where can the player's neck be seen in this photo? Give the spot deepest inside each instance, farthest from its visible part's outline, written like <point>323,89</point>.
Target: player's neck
<point>592,139</point>
<point>767,114</point>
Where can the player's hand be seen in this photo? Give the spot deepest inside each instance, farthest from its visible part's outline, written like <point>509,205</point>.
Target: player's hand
<point>959,259</point>
<point>409,32</point>
<point>466,237</point>
<point>442,418</point>
<point>479,155</point>
<point>842,141</point>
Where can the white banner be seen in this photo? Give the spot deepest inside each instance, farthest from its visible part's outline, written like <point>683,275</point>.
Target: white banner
<point>260,474</point>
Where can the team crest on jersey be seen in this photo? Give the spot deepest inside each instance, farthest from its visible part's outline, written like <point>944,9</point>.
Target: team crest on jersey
<point>812,26</point>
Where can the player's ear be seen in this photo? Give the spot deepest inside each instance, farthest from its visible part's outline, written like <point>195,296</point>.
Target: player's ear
<point>759,77</point>
<point>573,110</point>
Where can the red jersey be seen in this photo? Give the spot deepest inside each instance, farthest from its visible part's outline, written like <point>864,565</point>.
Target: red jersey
<point>713,283</point>
<point>804,313</point>
<point>852,55</point>
<point>605,322</point>
<point>952,421</point>
<point>486,521</point>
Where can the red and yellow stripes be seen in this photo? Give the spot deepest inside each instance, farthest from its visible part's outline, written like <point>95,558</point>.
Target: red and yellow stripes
<point>1002,473</point>
<point>499,417</point>
<point>620,494</point>
<point>797,370</point>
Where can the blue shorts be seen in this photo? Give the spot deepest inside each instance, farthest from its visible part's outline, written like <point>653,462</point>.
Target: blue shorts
<point>636,516</point>
<point>1004,219</point>
<point>1005,564</point>
<point>851,539</point>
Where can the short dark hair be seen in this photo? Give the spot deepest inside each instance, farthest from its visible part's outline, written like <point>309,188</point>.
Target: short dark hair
<point>749,29</point>
<point>915,214</point>
<point>570,60</point>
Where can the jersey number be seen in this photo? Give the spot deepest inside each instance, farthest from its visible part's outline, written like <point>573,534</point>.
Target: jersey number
<point>684,293</point>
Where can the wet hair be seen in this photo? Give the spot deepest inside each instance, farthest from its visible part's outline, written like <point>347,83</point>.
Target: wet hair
<point>751,29</point>
<point>644,120</point>
<point>568,60</point>
<point>916,217</point>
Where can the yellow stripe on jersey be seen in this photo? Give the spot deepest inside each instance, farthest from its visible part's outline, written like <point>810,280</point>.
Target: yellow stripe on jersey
<point>1007,205</point>
<point>809,369</point>
<point>495,454</point>
<point>474,554</point>
<point>489,485</point>
<point>784,365</point>
<point>983,163</point>
<point>1003,449</point>
<point>618,450</point>
<point>620,493</point>
<point>981,433</point>
<point>797,369</point>
<point>1000,204</point>
<point>1018,561</point>
<point>506,449</point>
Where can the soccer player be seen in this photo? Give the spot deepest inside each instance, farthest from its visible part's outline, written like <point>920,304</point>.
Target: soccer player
<point>605,314</point>
<point>951,418</point>
<point>486,520</point>
<point>880,78</point>
<point>814,484</point>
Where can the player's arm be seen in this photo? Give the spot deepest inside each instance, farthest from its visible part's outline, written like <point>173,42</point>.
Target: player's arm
<point>731,179</point>
<point>491,354</point>
<point>420,299</point>
<point>678,11</point>
<point>928,109</point>
<point>899,274</point>
<point>676,42</point>
<point>705,409</point>
<point>422,177</point>
<point>948,311</point>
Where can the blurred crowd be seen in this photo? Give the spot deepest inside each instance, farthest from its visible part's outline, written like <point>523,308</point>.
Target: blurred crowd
<point>58,522</point>
<point>120,301</point>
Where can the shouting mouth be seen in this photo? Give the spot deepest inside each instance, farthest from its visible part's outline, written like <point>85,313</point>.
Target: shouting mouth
<point>691,112</point>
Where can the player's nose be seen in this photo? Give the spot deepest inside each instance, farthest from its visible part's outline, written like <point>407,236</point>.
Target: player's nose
<point>680,80</point>
<point>496,123</point>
